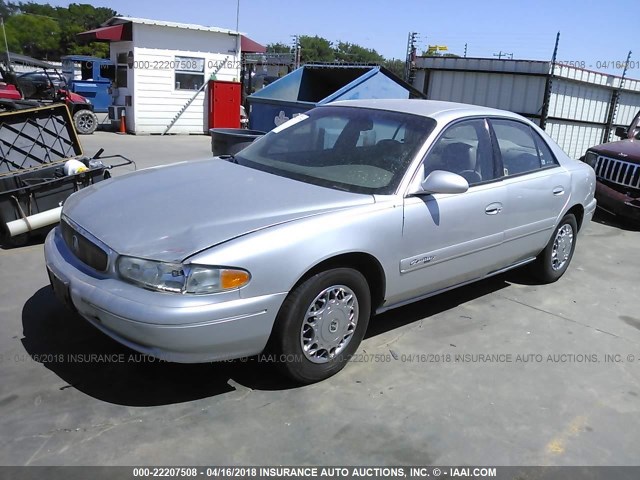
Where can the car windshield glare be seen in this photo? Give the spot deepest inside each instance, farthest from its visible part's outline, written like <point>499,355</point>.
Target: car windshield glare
<point>354,149</point>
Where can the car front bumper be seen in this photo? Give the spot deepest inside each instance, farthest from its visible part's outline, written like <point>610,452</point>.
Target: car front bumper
<point>172,327</point>
<point>617,203</point>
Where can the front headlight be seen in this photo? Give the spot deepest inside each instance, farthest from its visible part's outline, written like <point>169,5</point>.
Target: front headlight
<point>179,278</point>
<point>590,159</point>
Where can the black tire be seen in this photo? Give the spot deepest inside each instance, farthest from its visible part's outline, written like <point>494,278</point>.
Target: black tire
<point>287,339</point>
<point>85,122</point>
<point>548,267</point>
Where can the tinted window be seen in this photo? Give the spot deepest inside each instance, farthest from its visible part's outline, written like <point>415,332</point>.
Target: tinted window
<point>464,148</point>
<point>354,149</point>
<point>521,149</point>
<point>544,152</point>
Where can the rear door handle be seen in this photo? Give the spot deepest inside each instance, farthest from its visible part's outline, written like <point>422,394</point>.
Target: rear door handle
<point>558,191</point>
<point>493,208</point>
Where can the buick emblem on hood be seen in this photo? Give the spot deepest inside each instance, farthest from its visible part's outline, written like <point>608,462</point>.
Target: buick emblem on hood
<point>622,154</point>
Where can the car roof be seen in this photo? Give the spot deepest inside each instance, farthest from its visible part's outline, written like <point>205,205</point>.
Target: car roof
<point>436,109</point>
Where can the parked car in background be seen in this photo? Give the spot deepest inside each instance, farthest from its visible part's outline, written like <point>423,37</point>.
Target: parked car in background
<point>289,246</point>
<point>617,167</point>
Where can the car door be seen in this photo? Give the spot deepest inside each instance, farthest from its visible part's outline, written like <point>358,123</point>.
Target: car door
<point>537,187</point>
<point>449,239</point>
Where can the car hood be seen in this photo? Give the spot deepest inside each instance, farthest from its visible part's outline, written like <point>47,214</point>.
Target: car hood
<point>627,150</point>
<point>169,213</point>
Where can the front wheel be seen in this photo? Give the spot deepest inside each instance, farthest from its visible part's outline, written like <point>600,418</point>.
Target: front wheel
<point>321,324</point>
<point>554,260</point>
<point>85,121</point>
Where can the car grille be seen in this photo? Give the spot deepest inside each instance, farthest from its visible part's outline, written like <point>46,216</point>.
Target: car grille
<point>618,171</point>
<point>83,248</point>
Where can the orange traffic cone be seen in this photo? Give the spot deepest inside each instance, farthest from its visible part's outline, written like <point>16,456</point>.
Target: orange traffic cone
<point>123,124</point>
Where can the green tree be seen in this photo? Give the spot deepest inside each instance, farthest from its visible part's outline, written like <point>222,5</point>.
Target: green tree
<point>95,49</point>
<point>45,31</point>
<point>315,49</point>
<point>7,9</point>
<point>279,48</point>
<point>80,18</point>
<point>395,66</point>
<point>33,35</point>
<point>44,10</point>
<point>352,53</point>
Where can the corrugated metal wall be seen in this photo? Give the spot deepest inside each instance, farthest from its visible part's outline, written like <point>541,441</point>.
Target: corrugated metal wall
<point>579,100</point>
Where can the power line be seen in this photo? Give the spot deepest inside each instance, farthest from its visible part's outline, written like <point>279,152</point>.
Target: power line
<point>501,54</point>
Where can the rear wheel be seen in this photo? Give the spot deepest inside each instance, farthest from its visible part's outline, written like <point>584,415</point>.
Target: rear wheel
<point>321,324</point>
<point>554,260</point>
<point>85,122</point>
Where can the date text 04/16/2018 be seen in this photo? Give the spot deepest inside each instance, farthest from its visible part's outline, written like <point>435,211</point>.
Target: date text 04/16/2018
<point>600,64</point>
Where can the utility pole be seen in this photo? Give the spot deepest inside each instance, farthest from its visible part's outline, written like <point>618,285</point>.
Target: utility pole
<point>239,41</point>
<point>410,60</point>
<point>548,85</point>
<point>296,51</point>
<point>6,45</point>
<point>238,16</point>
<point>615,99</point>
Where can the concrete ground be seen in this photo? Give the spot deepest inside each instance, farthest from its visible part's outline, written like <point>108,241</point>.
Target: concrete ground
<point>562,387</point>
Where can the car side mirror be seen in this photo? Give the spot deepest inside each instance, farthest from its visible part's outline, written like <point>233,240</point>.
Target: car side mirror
<point>621,132</point>
<point>441,181</point>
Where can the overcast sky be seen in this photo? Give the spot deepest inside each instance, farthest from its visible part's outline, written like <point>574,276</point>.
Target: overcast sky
<point>593,32</point>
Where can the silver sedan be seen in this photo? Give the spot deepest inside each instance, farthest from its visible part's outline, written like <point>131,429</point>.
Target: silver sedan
<point>291,245</point>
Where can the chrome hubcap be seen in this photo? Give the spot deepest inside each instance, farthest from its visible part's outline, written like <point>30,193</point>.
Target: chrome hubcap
<point>562,247</point>
<point>329,323</point>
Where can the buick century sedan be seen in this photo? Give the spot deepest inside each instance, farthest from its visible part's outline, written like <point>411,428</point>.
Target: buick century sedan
<point>289,247</point>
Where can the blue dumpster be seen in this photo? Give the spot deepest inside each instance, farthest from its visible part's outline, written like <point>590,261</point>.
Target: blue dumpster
<point>313,85</point>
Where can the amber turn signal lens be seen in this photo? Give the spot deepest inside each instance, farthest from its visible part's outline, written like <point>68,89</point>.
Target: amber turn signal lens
<point>233,279</point>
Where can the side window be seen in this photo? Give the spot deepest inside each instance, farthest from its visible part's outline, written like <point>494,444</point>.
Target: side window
<point>301,140</point>
<point>547,159</point>
<point>189,72</point>
<point>464,148</point>
<point>521,150</point>
<point>329,129</point>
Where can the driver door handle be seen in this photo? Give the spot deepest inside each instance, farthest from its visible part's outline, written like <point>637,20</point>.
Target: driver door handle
<point>493,208</point>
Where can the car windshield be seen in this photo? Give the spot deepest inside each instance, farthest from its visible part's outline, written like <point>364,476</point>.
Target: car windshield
<point>359,150</point>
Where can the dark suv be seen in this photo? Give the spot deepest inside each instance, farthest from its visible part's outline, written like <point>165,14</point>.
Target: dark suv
<point>617,167</point>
